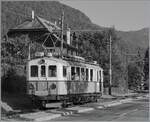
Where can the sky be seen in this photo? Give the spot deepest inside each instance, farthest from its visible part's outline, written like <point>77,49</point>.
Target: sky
<point>124,15</point>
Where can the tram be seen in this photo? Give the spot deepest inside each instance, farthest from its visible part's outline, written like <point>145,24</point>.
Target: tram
<point>68,79</point>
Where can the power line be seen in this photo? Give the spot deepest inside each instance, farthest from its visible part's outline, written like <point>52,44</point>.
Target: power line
<point>87,30</point>
<point>84,30</point>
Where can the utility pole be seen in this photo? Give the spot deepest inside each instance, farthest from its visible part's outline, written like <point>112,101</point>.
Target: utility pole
<point>29,43</point>
<point>62,26</point>
<point>127,77</point>
<point>110,68</point>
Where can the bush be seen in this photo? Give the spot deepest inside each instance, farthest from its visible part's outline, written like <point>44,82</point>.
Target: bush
<point>13,83</point>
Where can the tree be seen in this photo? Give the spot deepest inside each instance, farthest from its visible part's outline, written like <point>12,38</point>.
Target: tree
<point>136,71</point>
<point>96,45</point>
<point>146,69</point>
<point>134,76</point>
<point>14,54</point>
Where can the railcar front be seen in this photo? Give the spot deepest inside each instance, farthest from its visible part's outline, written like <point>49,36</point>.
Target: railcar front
<point>45,78</point>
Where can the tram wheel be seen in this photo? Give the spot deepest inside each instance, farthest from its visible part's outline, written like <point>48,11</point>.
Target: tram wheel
<point>64,104</point>
<point>42,105</point>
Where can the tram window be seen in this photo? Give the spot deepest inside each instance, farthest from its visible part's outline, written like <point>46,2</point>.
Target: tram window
<point>82,74</point>
<point>100,76</point>
<point>82,70</point>
<point>77,77</point>
<point>91,74</point>
<point>78,71</point>
<point>87,74</point>
<point>34,71</point>
<point>52,72</point>
<point>64,71</point>
<point>97,76</point>
<point>73,73</point>
<point>43,71</point>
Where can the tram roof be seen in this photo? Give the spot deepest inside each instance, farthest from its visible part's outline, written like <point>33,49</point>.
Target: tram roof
<point>70,63</point>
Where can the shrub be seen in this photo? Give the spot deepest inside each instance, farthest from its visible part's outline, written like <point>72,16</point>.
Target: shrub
<point>13,83</point>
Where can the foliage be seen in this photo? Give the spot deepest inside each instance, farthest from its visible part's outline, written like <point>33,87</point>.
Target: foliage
<point>13,83</point>
<point>135,78</point>
<point>96,45</point>
<point>136,72</point>
<point>146,64</point>
<point>14,50</point>
<point>146,69</point>
<point>14,55</point>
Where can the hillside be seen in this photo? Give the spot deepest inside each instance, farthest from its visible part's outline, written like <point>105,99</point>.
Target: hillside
<point>135,39</point>
<point>14,13</point>
<point>50,10</point>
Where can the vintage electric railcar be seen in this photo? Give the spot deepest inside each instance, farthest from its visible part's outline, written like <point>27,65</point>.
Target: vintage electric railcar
<point>51,79</point>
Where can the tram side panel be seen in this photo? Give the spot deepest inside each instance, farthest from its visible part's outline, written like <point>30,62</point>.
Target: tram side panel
<point>86,86</point>
<point>77,87</point>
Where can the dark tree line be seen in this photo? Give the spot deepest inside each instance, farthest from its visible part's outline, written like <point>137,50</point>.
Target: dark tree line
<point>138,72</point>
<point>96,45</point>
<point>146,69</point>
<point>14,56</point>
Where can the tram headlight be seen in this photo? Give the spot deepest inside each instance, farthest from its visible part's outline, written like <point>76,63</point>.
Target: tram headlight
<point>52,87</point>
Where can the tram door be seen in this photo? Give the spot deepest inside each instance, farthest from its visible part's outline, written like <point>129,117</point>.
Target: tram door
<point>42,83</point>
<point>52,75</point>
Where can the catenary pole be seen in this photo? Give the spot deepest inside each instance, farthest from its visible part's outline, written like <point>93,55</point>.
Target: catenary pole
<point>110,67</point>
<point>29,43</point>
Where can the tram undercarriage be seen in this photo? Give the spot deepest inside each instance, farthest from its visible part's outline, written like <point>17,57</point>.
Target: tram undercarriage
<point>65,100</point>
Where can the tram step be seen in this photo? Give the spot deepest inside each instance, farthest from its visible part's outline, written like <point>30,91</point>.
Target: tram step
<point>53,105</point>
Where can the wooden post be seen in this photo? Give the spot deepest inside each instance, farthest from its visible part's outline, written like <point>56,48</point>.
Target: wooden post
<point>102,85</point>
<point>29,48</point>
<point>127,79</point>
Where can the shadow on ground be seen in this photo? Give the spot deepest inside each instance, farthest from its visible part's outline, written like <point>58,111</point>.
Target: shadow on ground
<point>20,102</point>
